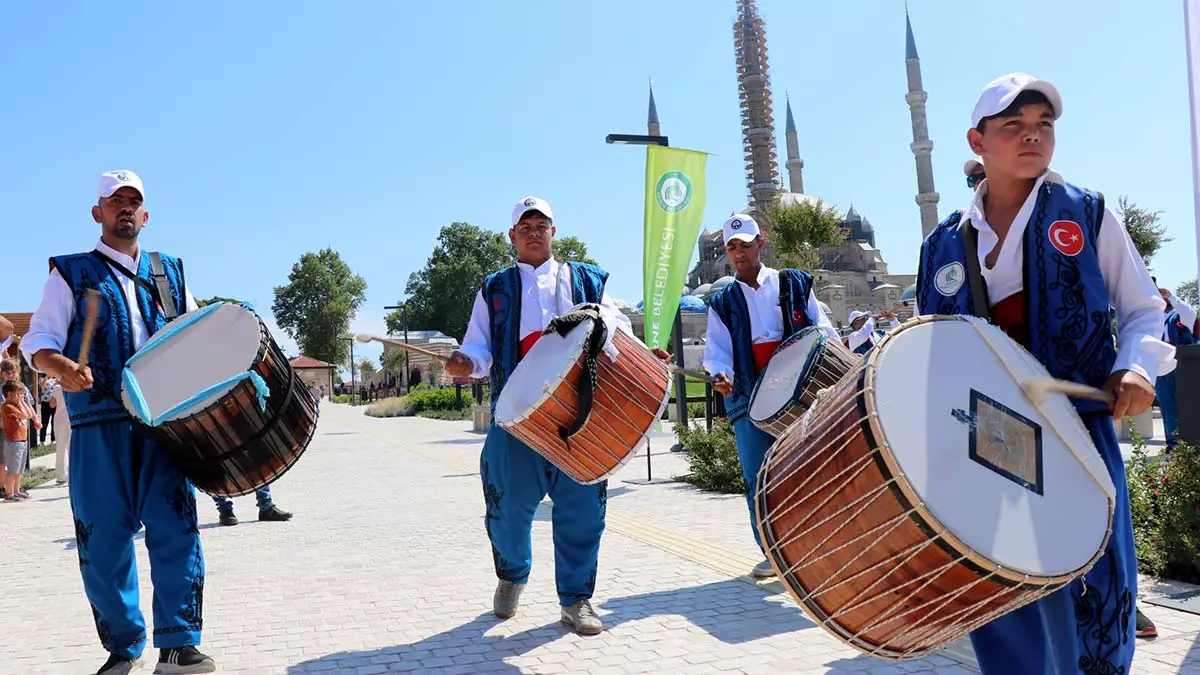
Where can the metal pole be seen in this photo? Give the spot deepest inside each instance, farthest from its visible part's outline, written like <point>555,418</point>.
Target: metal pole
<point>407,381</point>
<point>680,382</point>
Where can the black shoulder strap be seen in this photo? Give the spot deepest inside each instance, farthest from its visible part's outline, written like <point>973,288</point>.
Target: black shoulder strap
<point>128,275</point>
<point>785,297</point>
<point>979,297</point>
<point>159,274</point>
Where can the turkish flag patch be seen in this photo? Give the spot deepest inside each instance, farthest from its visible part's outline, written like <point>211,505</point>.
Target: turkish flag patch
<point>797,317</point>
<point>497,303</point>
<point>1066,236</point>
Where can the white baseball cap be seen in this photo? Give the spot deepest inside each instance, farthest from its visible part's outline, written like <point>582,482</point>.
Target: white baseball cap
<point>1002,91</point>
<point>858,314</point>
<point>740,227</point>
<point>112,181</point>
<point>971,165</point>
<point>531,204</point>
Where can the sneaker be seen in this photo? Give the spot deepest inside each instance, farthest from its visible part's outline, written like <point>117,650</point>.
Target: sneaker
<point>583,618</point>
<point>23,494</point>
<point>12,498</point>
<point>763,570</point>
<point>274,513</point>
<point>182,660</point>
<point>228,519</point>
<point>508,596</point>
<point>119,665</point>
<point>1144,628</point>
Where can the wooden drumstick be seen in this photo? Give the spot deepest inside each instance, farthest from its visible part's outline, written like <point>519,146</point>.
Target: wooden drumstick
<point>91,303</point>
<point>1037,390</point>
<point>399,344</point>
<point>694,374</point>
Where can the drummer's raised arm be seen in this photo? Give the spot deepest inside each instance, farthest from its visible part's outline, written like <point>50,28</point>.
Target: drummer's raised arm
<point>49,325</point>
<point>477,343</point>
<point>614,315</point>
<point>718,347</point>
<point>814,309</point>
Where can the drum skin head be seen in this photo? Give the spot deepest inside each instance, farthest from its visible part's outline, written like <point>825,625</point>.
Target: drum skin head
<point>1020,484</point>
<point>174,366</point>
<point>788,368</point>
<point>539,372</point>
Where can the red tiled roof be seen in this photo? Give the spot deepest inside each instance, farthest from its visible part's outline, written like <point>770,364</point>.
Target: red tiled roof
<point>309,362</point>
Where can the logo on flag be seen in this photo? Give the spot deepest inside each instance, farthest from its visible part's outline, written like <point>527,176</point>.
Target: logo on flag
<point>673,192</point>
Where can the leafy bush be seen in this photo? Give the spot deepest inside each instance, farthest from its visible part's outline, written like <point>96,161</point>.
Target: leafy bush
<point>713,457</point>
<point>454,415</point>
<point>433,399</point>
<point>345,398</point>
<point>1164,497</point>
<point>399,406</point>
<point>695,411</point>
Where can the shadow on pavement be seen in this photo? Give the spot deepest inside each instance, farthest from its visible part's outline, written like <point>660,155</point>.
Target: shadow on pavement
<point>463,649</point>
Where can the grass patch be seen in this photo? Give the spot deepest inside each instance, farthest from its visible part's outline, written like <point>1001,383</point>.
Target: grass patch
<point>450,415</point>
<point>36,477</point>
<point>43,450</point>
<point>398,406</point>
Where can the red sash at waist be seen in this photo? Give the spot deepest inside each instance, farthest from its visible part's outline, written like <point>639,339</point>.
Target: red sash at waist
<point>763,352</point>
<point>1009,314</point>
<point>528,341</point>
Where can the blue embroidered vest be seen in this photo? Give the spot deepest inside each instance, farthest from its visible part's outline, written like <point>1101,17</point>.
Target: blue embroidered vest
<point>112,342</point>
<point>730,306</point>
<point>1066,302</point>
<point>1177,333</point>
<point>502,294</point>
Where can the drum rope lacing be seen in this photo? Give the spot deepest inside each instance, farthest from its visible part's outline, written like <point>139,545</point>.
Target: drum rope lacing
<point>561,325</point>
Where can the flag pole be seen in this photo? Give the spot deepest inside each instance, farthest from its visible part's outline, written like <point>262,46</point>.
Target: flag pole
<point>1191,22</point>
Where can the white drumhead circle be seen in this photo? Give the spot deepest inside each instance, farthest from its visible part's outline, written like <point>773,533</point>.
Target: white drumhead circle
<point>539,373</point>
<point>777,385</point>
<point>933,382</point>
<point>175,367</point>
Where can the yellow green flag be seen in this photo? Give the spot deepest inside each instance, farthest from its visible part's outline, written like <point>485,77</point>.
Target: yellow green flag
<point>674,211</point>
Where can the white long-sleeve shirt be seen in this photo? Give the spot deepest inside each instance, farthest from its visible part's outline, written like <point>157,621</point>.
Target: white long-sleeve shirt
<point>766,321</point>
<point>1130,289</point>
<point>51,322</point>
<point>865,333</point>
<point>545,294</point>
<point>1187,315</point>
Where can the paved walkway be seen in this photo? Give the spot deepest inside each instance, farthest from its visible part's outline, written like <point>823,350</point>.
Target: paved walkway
<point>386,568</point>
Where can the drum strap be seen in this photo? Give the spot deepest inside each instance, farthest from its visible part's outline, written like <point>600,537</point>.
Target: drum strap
<point>595,344</point>
<point>164,289</point>
<point>979,296</point>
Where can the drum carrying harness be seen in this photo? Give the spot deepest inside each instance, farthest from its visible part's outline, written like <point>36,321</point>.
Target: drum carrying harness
<point>561,325</point>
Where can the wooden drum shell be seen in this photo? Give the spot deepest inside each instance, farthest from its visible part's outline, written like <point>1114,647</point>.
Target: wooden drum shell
<point>631,394</point>
<point>232,447</point>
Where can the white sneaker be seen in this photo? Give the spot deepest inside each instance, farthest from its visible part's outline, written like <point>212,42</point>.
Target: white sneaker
<point>763,570</point>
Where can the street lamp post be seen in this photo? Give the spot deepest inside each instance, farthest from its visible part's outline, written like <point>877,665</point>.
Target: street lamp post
<point>351,341</point>
<point>677,332</point>
<point>403,307</point>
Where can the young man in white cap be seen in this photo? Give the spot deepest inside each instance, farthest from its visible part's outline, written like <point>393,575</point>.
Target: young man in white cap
<point>1046,260</point>
<point>511,310</point>
<point>866,332</point>
<point>118,480</point>
<point>1179,325</point>
<point>747,321</point>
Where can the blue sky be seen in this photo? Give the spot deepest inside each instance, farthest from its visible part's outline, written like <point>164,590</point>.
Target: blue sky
<point>264,130</point>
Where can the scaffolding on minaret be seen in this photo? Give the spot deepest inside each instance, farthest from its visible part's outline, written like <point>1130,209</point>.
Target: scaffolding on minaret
<point>758,122</point>
<point>922,147</point>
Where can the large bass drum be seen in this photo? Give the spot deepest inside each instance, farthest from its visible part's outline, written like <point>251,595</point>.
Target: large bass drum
<point>926,495</point>
<point>214,390</point>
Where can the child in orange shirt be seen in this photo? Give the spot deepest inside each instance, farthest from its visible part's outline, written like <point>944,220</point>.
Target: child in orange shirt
<point>15,413</point>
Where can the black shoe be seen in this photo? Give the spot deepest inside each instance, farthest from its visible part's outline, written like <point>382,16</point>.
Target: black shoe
<point>1144,628</point>
<point>275,513</point>
<point>228,518</point>
<point>182,660</point>
<point>117,665</point>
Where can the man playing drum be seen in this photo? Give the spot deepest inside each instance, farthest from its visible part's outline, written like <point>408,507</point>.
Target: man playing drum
<point>511,310</point>
<point>1080,262</point>
<point>118,480</point>
<point>866,331</point>
<point>746,323</point>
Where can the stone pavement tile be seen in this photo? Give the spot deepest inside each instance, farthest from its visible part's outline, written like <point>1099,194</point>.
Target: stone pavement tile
<point>393,573</point>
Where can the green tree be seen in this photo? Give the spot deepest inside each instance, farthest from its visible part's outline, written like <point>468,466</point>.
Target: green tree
<point>571,249</point>
<point>216,298</point>
<point>441,295</point>
<point>367,371</point>
<point>799,231</point>
<point>1187,292</point>
<point>1144,228</point>
<point>317,304</point>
